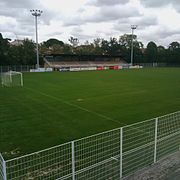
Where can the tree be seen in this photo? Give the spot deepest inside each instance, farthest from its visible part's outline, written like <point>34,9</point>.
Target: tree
<point>174,52</point>
<point>74,41</point>
<point>151,52</point>
<point>51,42</point>
<point>52,46</point>
<point>104,46</point>
<point>125,42</point>
<point>174,45</point>
<point>29,52</point>
<point>114,47</point>
<point>97,46</point>
<point>126,39</point>
<point>87,49</point>
<point>4,50</point>
<point>23,54</point>
<point>162,54</point>
<point>16,55</point>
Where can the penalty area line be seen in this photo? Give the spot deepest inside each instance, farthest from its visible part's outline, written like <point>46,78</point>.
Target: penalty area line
<point>76,106</point>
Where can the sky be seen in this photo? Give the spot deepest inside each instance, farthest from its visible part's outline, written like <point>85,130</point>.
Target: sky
<point>156,20</point>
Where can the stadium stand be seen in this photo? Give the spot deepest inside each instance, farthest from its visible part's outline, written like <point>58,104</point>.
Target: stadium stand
<point>58,61</point>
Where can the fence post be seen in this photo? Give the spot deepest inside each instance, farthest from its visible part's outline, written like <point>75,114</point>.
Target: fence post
<point>3,167</point>
<point>155,140</point>
<point>73,160</point>
<point>121,151</point>
<point>4,170</point>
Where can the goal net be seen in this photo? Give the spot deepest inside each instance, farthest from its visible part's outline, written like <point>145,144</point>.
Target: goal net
<point>11,78</point>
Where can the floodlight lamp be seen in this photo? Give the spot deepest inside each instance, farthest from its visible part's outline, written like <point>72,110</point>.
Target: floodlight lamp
<point>36,12</point>
<point>133,26</point>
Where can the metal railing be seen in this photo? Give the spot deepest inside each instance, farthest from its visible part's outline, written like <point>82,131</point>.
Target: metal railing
<point>109,155</point>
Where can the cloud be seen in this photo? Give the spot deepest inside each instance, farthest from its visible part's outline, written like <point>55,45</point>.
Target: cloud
<point>114,13</point>
<point>162,35</point>
<point>55,33</point>
<point>17,3</point>
<point>103,14</point>
<point>154,3</point>
<point>144,21</point>
<point>18,21</point>
<point>100,3</point>
<point>73,21</point>
<point>20,10</point>
<point>81,34</point>
<point>91,18</point>
<point>164,32</point>
<point>7,24</point>
<point>161,3</point>
<point>124,25</point>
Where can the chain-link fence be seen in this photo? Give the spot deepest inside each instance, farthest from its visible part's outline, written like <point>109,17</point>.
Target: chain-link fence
<point>109,155</point>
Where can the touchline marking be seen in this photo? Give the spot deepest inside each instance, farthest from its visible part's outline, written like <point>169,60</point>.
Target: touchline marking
<point>76,106</point>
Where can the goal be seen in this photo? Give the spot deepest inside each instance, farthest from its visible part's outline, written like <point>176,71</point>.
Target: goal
<point>11,78</point>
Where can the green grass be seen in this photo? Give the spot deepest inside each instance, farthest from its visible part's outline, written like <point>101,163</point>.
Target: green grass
<point>53,108</point>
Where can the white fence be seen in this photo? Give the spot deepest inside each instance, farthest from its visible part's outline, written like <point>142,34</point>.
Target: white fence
<point>109,155</point>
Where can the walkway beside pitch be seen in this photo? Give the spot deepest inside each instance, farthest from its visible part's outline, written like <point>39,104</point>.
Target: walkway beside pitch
<point>165,169</point>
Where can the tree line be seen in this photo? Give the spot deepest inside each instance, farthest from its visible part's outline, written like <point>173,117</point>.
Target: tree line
<point>25,52</point>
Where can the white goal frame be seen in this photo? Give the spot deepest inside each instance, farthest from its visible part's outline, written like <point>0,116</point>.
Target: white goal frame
<point>7,80</point>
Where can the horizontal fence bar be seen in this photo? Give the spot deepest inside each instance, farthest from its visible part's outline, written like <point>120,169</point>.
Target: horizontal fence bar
<point>35,153</point>
<point>169,136</point>
<point>168,114</point>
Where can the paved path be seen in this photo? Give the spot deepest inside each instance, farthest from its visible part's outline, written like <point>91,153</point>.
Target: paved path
<point>175,175</point>
<point>166,169</point>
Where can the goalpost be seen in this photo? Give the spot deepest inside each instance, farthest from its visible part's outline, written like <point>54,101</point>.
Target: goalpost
<point>12,78</point>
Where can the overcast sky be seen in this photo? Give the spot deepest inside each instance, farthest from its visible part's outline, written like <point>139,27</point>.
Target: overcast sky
<point>157,20</point>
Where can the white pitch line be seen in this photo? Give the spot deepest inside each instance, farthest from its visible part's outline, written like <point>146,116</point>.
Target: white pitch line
<point>84,109</point>
<point>87,110</point>
<point>76,106</point>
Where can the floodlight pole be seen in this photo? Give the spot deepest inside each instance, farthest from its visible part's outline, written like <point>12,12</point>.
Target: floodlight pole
<point>133,27</point>
<point>36,13</point>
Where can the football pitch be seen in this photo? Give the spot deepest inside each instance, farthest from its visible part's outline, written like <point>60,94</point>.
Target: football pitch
<point>53,108</point>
